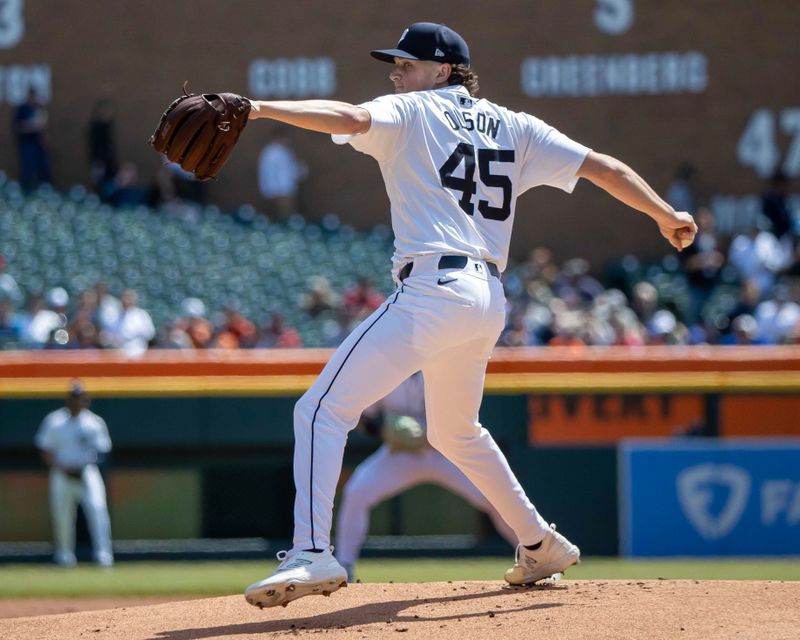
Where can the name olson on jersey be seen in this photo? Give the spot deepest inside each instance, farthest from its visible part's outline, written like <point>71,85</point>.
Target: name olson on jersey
<point>471,121</point>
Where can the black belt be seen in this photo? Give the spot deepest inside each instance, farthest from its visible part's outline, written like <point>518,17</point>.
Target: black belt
<point>448,262</point>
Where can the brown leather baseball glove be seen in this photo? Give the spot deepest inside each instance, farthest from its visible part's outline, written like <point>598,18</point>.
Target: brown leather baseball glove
<point>199,131</point>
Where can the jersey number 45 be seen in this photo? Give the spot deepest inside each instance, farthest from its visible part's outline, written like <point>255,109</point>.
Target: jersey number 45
<point>465,153</point>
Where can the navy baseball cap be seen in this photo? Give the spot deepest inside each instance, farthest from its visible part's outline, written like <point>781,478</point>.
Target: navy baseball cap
<point>427,41</point>
<point>76,389</point>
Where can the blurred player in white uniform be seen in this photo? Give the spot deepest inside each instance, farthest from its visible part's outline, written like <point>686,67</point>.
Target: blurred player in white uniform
<point>405,460</point>
<point>453,166</point>
<point>72,441</point>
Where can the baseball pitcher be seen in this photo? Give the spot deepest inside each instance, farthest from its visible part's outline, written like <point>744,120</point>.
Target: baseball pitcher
<point>453,165</point>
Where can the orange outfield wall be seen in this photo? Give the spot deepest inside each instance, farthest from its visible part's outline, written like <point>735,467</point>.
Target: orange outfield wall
<point>522,370</point>
<point>548,369</point>
<point>602,418</point>
<point>260,362</point>
<point>760,414</point>
<point>575,396</point>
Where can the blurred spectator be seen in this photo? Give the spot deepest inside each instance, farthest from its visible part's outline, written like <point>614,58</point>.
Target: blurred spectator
<point>28,126</point>
<point>744,330</point>
<point>198,327</point>
<point>176,191</point>
<point>535,303</point>
<point>597,329</point>
<point>82,330</point>
<point>778,317</point>
<point>319,297</point>
<point>628,331</point>
<point>10,323</point>
<point>84,335</point>
<point>46,320</point>
<point>608,326</point>
<point>758,255</point>
<point>702,262</point>
<point>345,323</point>
<point>9,289</point>
<point>568,326</point>
<point>707,330</point>
<point>277,335</point>
<point>749,297</point>
<point>574,283</point>
<point>102,149</point>
<point>279,175</point>
<point>362,299</point>
<point>107,307</point>
<point>681,191</point>
<point>624,273</point>
<point>124,190</point>
<point>87,304</point>
<point>775,206</point>
<point>539,265</point>
<point>193,323</point>
<point>645,301</point>
<point>516,334</point>
<point>132,330</point>
<point>174,337</point>
<point>794,268</point>
<point>664,329</point>
<point>34,302</point>
<point>163,192</point>
<point>236,331</point>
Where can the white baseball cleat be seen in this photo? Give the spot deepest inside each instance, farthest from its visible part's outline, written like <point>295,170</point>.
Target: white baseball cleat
<point>304,573</point>
<point>554,557</point>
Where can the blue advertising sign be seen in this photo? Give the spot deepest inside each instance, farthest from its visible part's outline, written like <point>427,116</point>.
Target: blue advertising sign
<point>709,497</point>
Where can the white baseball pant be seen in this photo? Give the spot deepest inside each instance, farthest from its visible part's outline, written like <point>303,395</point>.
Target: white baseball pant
<point>90,492</point>
<point>445,323</point>
<point>385,474</point>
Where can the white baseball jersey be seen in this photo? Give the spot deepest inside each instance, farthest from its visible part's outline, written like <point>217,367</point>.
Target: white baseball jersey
<point>74,442</point>
<point>406,400</point>
<point>454,166</point>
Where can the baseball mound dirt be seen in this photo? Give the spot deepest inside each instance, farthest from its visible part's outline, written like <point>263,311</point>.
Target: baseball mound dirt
<point>463,610</point>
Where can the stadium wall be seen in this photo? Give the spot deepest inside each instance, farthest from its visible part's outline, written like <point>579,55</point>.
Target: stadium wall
<point>197,434</point>
<point>656,84</point>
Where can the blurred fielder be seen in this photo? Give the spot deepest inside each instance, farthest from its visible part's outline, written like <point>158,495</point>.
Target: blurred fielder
<point>405,460</point>
<point>453,166</point>
<point>72,441</point>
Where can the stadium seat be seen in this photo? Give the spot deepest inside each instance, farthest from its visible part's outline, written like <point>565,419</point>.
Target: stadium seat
<point>73,240</point>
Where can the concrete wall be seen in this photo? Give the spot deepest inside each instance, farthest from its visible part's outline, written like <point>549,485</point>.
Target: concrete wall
<point>715,63</point>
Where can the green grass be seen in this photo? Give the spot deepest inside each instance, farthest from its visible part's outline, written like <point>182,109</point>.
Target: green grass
<point>426,570</point>
<point>222,578</point>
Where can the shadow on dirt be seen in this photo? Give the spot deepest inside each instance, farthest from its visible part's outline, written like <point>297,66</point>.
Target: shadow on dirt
<point>370,613</point>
